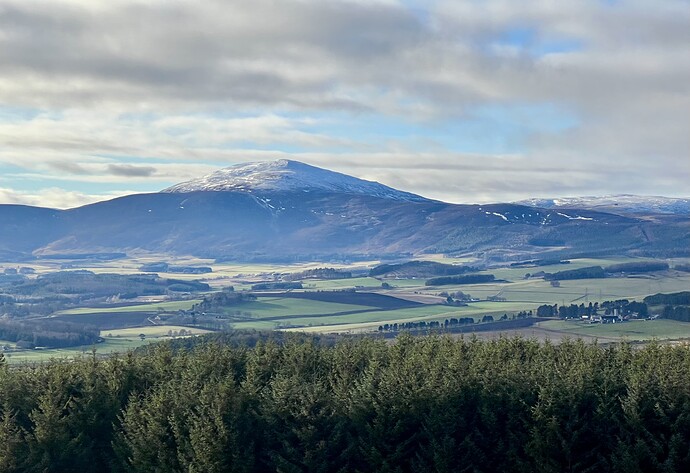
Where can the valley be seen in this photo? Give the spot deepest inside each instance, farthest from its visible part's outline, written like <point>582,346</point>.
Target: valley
<point>284,212</point>
<point>285,246</point>
<point>355,305</point>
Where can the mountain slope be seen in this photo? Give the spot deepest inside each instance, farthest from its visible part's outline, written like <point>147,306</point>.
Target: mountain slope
<point>289,225</point>
<point>285,175</point>
<point>286,211</point>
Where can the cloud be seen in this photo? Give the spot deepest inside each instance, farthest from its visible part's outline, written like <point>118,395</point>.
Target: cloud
<point>476,178</point>
<point>313,55</point>
<point>54,197</point>
<point>127,170</point>
<point>69,167</point>
<point>129,90</point>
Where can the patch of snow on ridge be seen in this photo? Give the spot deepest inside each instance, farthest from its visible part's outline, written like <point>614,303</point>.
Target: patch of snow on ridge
<point>570,217</point>
<point>287,175</point>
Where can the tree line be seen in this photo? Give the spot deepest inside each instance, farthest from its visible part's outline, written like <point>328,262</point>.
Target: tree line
<point>623,306</point>
<point>47,333</point>
<point>597,272</point>
<point>590,272</point>
<point>675,306</point>
<point>420,269</point>
<point>467,279</point>
<point>417,405</point>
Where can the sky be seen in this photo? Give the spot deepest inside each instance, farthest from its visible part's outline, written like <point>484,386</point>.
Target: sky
<point>464,101</point>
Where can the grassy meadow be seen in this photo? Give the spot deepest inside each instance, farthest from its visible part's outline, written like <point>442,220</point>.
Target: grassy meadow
<point>634,330</point>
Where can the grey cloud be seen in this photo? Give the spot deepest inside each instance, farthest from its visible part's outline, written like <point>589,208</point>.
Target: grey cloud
<point>69,167</point>
<point>310,54</point>
<point>258,52</point>
<point>315,55</point>
<point>628,86</point>
<point>128,170</point>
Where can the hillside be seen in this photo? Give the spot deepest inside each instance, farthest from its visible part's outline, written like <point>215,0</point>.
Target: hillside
<point>286,211</point>
<point>625,204</point>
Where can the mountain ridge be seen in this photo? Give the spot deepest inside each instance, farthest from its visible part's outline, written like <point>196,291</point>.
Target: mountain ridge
<point>311,214</point>
<point>616,203</point>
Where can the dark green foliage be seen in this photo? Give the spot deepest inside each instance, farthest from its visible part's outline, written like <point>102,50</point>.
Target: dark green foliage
<point>681,313</point>
<point>419,269</point>
<point>468,279</point>
<point>419,404</point>
<point>590,272</point>
<point>546,241</point>
<point>421,326</point>
<point>158,267</point>
<point>47,333</point>
<point>218,301</point>
<point>637,267</point>
<point>676,298</point>
<point>264,286</point>
<point>351,296</point>
<point>676,306</point>
<point>53,291</point>
<point>547,310</point>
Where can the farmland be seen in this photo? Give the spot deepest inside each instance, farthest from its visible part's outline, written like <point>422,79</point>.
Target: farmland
<point>637,330</point>
<point>114,341</point>
<point>361,303</point>
<point>152,307</point>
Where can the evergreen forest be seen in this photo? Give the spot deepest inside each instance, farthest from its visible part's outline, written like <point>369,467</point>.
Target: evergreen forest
<point>419,404</point>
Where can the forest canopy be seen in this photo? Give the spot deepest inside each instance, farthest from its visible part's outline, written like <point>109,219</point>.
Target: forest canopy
<point>417,405</point>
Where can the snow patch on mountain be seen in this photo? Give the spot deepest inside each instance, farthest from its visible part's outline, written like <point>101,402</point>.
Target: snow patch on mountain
<point>285,175</point>
<point>577,217</point>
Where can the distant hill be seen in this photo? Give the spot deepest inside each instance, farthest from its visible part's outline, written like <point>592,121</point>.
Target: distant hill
<point>287,211</point>
<point>619,204</point>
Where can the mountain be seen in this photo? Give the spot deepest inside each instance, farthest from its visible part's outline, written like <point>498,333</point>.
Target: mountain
<point>625,204</point>
<point>289,211</point>
<point>291,176</point>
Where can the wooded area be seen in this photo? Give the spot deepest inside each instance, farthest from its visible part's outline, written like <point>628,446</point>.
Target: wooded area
<point>417,405</point>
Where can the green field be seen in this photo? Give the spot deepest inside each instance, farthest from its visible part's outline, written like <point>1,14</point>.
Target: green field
<point>311,315</point>
<point>340,283</point>
<point>570,291</point>
<point>110,345</point>
<point>519,294</point>
<point>518,273</point>
<point>152,307</point>
<point>372,319</point>
<point>155,331</point>
<point>405,283</point>
<point>291,306</point>
<point>375,317</point>
<point>636,330</point>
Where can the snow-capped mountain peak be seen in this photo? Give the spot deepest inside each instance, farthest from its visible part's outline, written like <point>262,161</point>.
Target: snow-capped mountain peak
<point>285,175</point>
